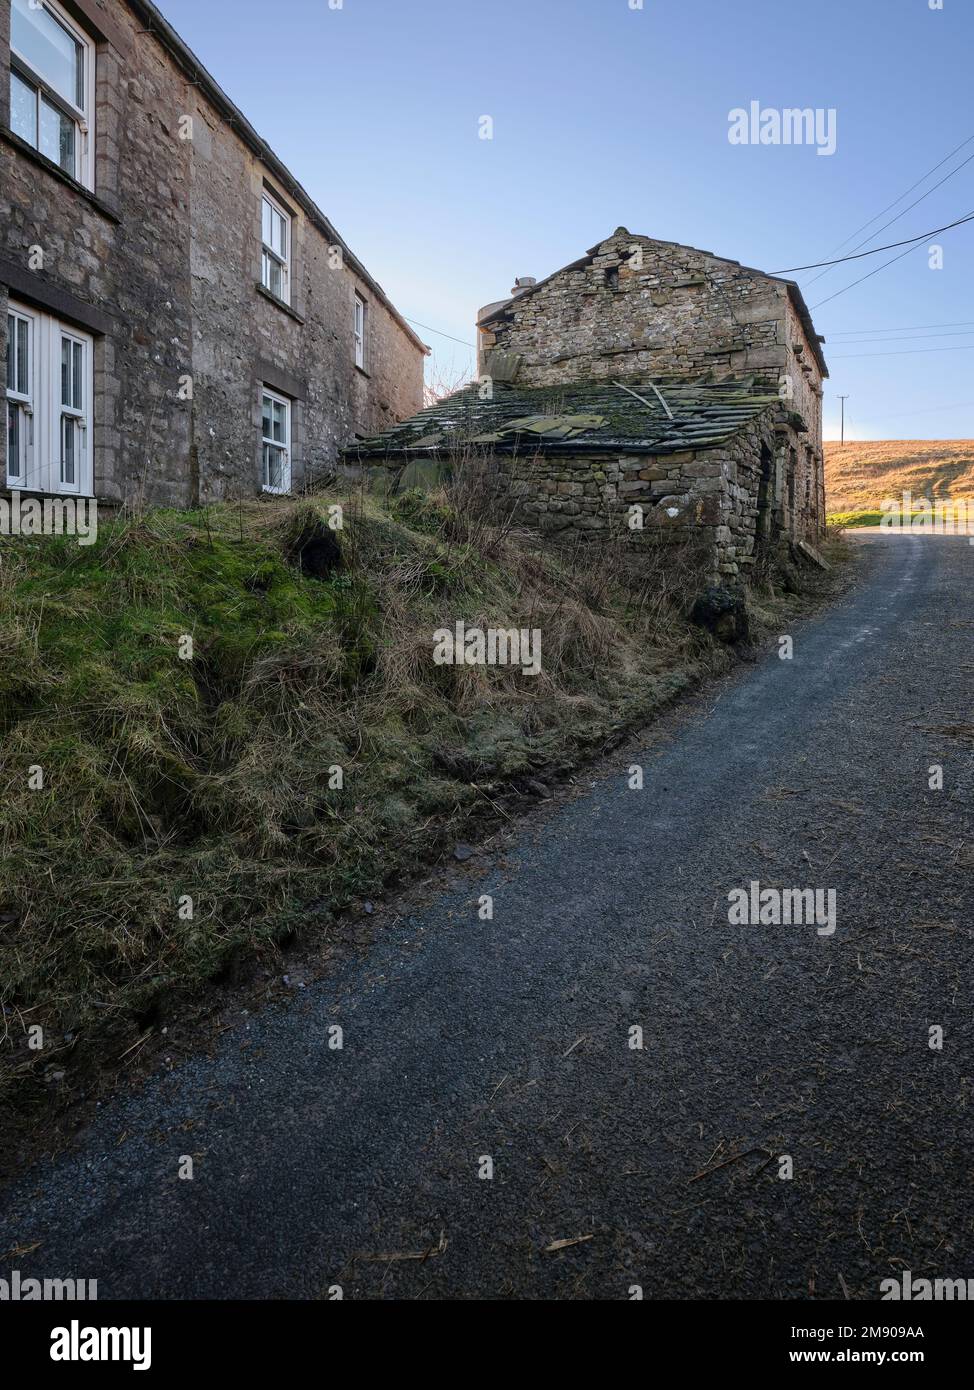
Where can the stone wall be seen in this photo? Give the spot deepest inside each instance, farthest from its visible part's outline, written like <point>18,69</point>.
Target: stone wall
<point>712,499</point>
<point>640,306</point>
<point>118,258</point>
<point>161,264</point>
<point>242,337</point>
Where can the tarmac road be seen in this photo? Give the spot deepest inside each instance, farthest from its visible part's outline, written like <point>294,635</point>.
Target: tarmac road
<point>509,1038</point>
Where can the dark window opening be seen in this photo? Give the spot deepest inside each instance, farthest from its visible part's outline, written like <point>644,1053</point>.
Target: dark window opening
<point>765,491</point>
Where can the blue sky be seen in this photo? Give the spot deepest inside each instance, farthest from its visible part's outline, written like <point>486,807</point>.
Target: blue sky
<point>606,116</point>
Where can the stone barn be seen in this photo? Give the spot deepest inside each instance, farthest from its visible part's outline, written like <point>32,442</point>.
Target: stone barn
<point>649,386</point>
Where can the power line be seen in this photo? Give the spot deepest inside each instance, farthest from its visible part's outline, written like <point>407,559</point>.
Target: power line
<point>911,241</point>
<point>903,352</point>
<point>916,202</point>
<point>428,329</point>
<point>892,205</point>
<point>903,328</point>
<point>910,244</point>
<point>911,338</point>
<point>863,278</point>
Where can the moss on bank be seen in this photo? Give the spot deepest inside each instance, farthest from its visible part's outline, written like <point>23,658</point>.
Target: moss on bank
<point>136,776</point>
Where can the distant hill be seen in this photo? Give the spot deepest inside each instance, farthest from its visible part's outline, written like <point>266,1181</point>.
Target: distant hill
<point>858,476</point>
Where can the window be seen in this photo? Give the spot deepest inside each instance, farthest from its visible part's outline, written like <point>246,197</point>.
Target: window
<point>73,428</point>
<point>275,267</point>
<point>361,320</point>
<point>49,404</point>
<point>276,442</point>
<point>52,71</point>
<point>20,396</point>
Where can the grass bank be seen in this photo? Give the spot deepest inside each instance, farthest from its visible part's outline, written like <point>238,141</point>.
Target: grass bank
<point>170,804</point>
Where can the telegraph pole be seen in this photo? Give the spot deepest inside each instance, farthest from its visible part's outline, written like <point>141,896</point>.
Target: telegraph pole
<point>843,399</point>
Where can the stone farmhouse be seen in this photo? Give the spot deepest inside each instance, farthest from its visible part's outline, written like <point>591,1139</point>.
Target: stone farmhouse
<point>648,386</point>
<point>184,324</point>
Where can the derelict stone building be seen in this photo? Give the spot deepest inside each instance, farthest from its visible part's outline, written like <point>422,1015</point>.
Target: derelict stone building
<point>646,374</point>
<point>183,323</point>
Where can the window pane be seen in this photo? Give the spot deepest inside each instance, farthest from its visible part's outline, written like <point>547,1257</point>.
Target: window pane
<point>280,422</point>
<point>279,244</point>
<point>57,137</point>
<point>65,371</point>
<point>23,358</point>
<point>265,222</point>
<point>76,383</point>
<point>23,109</point>
<point>266,423</point>
<point>50,50</point>
<point>11,353</point>
<point>68,434</point>
<point>273,466</point>
<point>273,276</point>
<point>13,440</point>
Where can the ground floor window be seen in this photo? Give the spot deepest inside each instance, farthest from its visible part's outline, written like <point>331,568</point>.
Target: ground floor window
<point>49,404</point>
<point>276,442</point>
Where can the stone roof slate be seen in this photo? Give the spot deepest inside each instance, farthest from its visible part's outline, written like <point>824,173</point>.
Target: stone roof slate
<point>577,417</point>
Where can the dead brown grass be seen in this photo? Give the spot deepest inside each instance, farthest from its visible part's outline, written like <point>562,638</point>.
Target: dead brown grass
<point>858,476</point>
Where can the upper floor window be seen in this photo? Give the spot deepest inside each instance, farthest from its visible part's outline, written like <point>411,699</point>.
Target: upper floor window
<point>49,404</point>
<point>361,321</point>
<point>52,72</point>
<point>275,268</point>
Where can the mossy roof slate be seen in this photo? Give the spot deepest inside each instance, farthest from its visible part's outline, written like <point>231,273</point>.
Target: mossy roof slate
<point>586,417</point>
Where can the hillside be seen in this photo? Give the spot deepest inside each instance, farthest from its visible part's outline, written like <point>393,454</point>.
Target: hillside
<point>859,475</point>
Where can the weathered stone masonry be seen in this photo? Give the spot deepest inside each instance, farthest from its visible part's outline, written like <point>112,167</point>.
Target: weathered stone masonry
<point>158,264</point>
<point>637,306</point>
<point>598,457</point>
<point>645,375</point>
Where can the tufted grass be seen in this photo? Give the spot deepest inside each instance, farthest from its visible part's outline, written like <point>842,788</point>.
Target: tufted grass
<point>166,779</point>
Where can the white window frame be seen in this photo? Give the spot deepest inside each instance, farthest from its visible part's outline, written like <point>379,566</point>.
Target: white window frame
<point>360,329</point>
<point>75,412</point>
<point>285,448</point>
<point>43,412</point>
<point>267,252</point>
<point>83,117</point>
<point>22,402</point>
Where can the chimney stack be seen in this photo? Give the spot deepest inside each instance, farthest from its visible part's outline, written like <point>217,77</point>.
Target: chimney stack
<point>522,283</point>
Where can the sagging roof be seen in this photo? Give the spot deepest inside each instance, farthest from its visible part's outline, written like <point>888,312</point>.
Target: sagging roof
<point>156,24</point>
<point>503,307</point>
<point>578,417</point>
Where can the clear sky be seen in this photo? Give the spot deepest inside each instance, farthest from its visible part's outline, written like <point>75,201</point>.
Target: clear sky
<point>606,115</point>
